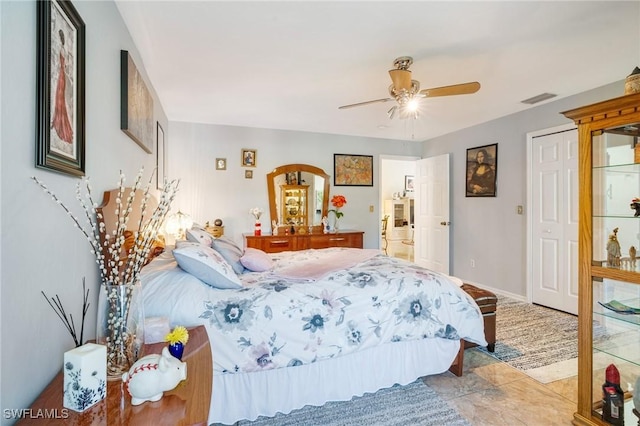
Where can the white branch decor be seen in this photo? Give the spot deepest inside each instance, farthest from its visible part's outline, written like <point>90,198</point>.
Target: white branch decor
<point>118,267</point>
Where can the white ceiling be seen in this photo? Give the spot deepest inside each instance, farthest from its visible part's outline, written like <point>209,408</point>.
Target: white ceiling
<point>289,65</point>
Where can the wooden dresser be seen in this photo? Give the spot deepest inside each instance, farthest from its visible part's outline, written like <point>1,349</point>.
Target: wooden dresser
<point>278,243</point>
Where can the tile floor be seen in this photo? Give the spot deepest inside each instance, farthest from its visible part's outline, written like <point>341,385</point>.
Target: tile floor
<point>491,392</point>
<point>400,249</point>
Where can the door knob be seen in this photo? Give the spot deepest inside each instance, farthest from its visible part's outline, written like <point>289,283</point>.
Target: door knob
<point>445,223</point>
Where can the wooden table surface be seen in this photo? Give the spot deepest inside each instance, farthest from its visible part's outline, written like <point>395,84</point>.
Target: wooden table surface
<point>187,404</point>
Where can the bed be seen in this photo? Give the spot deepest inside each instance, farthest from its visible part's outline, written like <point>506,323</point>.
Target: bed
<point>306,327</point>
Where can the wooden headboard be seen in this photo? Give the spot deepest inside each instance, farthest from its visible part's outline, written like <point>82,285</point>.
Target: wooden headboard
<point>109,206</point>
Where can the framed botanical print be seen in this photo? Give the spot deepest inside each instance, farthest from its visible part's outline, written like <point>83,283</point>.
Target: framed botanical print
<point>352,170</point>
<point>482,170</point>
<point>60,88</point>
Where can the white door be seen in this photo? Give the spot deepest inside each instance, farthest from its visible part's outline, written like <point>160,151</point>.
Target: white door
<point>554,220</point>
<point>431,188</point>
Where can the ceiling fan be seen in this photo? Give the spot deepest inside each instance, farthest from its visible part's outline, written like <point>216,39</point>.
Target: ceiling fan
<point>406,92</point>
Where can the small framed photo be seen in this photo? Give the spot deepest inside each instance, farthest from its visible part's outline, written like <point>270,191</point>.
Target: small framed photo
<point>221,164</point>
<point>408,183</point>
<point>248,174</point>
<point>482,169</point>
<point>294,178</point>
<point>249,158</point>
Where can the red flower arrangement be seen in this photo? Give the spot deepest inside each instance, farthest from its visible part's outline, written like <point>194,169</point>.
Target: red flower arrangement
<point>338,201</point>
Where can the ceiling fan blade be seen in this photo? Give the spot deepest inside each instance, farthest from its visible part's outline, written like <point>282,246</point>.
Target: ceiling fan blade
<point>365,103</point>
<point>455,89</point>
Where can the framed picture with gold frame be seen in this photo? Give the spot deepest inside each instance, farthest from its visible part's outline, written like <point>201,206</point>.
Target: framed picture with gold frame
<point>248,174</point>
<point>248,158</point>
<point>221,164</point>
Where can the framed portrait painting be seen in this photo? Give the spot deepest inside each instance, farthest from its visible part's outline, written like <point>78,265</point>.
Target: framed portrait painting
<point>482,171</point>
<point>248,158</point>
<point>60,88</point>
<point>352,170</point>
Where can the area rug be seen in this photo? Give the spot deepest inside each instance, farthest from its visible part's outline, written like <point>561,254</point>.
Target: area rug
<point>413,404</point>
<point>542,342</point>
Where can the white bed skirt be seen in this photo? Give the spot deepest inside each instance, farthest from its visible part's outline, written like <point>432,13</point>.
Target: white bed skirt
<point>250,395</point>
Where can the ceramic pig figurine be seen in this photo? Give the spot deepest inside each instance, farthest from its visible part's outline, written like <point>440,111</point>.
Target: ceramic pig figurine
<point>153,374</point>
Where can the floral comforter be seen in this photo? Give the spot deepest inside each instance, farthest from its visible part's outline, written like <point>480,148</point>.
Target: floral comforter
<point>276,322</point>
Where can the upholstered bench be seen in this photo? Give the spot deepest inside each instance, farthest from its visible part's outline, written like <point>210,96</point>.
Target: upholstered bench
<point>487,302</point>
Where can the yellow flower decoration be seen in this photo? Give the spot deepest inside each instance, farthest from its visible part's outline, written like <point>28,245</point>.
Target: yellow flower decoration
<point>179,334</point>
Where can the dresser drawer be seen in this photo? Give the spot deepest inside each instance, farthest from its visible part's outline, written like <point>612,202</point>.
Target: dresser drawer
<point>278,243</point>
<point>272,244</point>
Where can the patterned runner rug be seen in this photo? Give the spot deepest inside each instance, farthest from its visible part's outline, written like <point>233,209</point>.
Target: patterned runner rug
<point>413,404</point>
<point>530,337</point>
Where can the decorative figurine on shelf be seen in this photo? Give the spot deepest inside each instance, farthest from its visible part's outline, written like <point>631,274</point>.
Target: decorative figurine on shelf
<point>153,374</point>
<point>613,250</point>
<point>612,397</point>
<point>635,205</point>
<point>177,339</point>
<point>274,227</point>
<point>325,225</point>
<point>632,256</point>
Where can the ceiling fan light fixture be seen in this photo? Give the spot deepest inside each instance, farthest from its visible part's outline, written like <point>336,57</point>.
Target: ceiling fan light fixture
<point>401,79</point>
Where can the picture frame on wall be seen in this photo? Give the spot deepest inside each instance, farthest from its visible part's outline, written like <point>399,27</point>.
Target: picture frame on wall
<point>408,183</point>
<point>482,171</point>
<point>60,88</point>
<point>221,164</point>
<point>248,158</point>
<point>248,174</point>
<point>160,156</point>
<point>136,104</point>
<point>352,170</point>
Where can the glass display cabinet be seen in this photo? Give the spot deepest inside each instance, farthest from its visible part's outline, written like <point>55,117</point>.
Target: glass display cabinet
<point>294,204</point>
<point>609,243</point>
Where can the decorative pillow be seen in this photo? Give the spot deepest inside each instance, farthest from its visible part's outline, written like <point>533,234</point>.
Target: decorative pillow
<point>207,265</point>
<point>199,236</point>
<point>230,251</point>
<point>256,260</point>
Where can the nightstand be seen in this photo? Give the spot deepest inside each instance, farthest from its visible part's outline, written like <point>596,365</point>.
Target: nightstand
<point>187,404</point>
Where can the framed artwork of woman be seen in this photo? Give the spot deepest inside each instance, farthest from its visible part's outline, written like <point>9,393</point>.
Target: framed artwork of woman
<point>482,170</point>
<point>60,138</point>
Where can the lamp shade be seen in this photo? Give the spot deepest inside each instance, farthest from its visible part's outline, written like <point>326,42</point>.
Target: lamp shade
<point>177,224</point>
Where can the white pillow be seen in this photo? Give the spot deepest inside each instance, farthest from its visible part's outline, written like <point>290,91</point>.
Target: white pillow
<point>230,251</point>
<point>256,260</point>
<point>207,265</point>
<point>199,236</point>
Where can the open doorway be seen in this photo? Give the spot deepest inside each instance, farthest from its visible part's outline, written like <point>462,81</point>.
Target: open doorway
<point>397,205</point>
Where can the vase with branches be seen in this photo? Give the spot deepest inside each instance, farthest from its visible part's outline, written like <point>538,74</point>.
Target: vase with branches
<point>120,254</point>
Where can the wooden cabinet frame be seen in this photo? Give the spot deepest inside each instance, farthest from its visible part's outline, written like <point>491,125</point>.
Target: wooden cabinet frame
<point>589,119</point>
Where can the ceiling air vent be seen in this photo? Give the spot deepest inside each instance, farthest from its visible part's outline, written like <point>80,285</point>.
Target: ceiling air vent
<point>539,98</point>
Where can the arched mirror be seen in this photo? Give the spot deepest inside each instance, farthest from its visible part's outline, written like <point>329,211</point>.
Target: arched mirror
<point>298,196</point>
